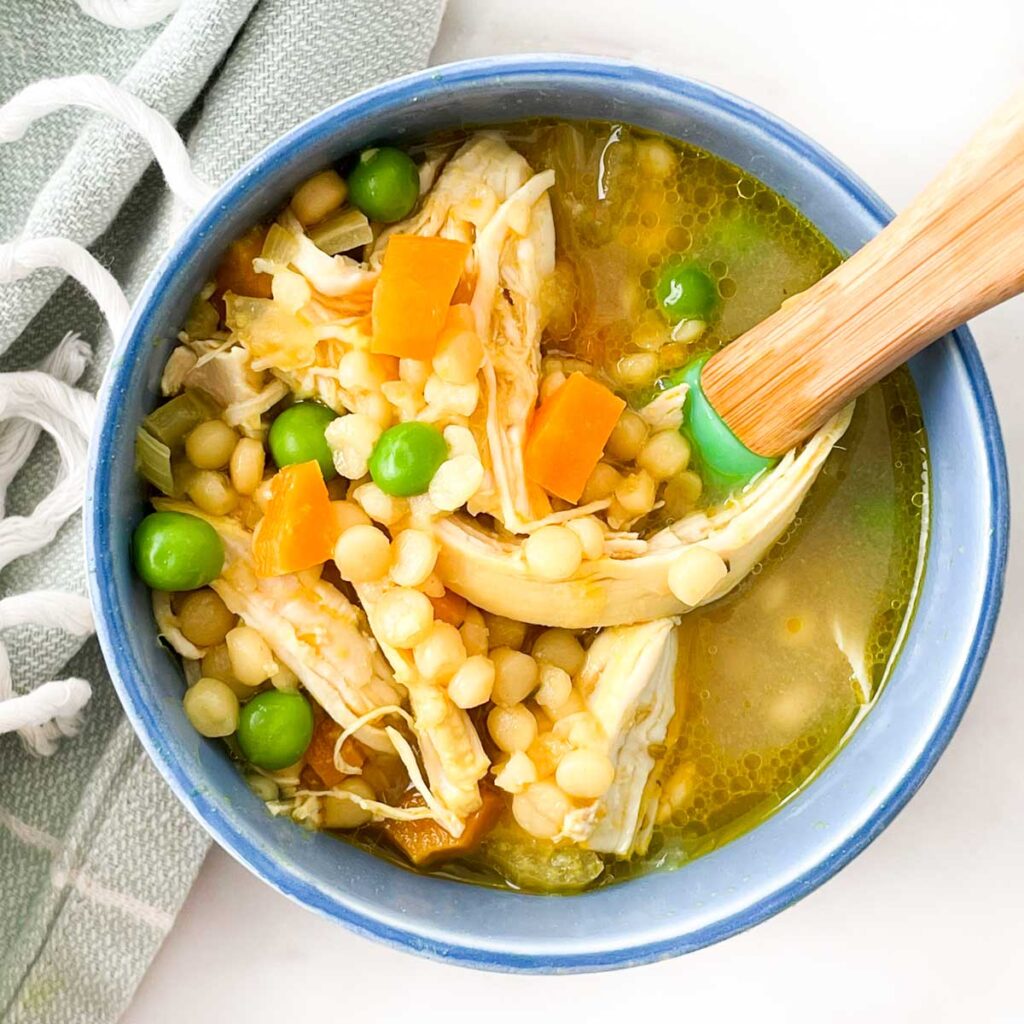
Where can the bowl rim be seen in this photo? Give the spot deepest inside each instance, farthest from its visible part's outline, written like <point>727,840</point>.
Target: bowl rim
<point>606,70</point>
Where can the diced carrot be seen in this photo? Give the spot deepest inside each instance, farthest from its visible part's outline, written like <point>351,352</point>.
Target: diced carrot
<point>386,365</point>
<point>464,290</point>
<point>320,752</point>
<point>413,292</point>
<point>450,607</point>
<point>235,273</point>
<point>459,317</point>
<point>568,435</point>
<point>298,528</point>
<point>425,842</point>
<point>356,303</point>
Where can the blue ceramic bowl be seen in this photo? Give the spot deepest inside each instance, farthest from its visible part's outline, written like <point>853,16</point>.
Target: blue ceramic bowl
<point>663,914</point>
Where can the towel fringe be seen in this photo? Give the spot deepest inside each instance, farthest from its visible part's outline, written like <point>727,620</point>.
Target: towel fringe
<point>45,399</point>
<point>95,93</point>
<point>19,258</point>
<point>32,401</point>
<point>128,14</point>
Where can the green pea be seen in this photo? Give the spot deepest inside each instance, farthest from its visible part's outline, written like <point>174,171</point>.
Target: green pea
<point>297,435</point>
<point>384,184</point>
<point>176,551</point>
<point>406,458</point>
<point>686,292</point>
<point>274,729</point>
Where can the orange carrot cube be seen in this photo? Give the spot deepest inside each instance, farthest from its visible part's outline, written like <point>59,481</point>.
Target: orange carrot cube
<point>568,435</point>
<point>450,607</point>
<point>413,293</point>
<point>298,528</point>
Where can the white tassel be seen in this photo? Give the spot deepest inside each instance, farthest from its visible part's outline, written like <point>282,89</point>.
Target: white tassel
<point>46,713</point>
<point>31,401</point>
<point>129,14</point>
<point>51,710</point>
<point>66,414</point>
<point>19,258</point>
<point>34,400</point>
<point>96,93</point>
<point>44,399</point>
<point>67,362</point>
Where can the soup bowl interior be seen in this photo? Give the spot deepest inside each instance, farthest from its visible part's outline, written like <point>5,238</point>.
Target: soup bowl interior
<point>663,913</point>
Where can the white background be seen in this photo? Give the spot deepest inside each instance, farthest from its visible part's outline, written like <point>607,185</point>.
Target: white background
<point>928,923</point>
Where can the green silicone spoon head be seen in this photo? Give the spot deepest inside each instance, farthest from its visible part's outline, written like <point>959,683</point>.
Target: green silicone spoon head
<point>723,459</point>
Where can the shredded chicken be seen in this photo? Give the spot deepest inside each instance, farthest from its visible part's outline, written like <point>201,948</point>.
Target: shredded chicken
<point>854,650</point>
<point>631,582</point>
<point>322,379</point>
<point>228,378</point>
<point>665,411</point>
<point>310,627</point>
<point>488,195</point>
<point>246,412</point>
<point>334,277</point>
<point>170,630</point>
<point>449,745</point>
<point>628,681</point>
<point>515,252</point>
<point>433,160</point>
<point>178,365</point>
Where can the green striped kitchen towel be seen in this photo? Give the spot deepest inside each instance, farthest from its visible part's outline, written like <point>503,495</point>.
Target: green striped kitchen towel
<point>96,856</point>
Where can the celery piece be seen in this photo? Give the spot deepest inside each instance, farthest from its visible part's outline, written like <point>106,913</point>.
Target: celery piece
<point>347,229</point>
<point>280,246</point>
<point>170,422</point>
<point>202,320</point>
<point>243,311</point>
<point>538,864</point>
<point>153,461</point>
<point>183,472</point>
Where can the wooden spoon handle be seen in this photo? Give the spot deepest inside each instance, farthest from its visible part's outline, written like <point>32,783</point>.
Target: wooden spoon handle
<point>956,251</point>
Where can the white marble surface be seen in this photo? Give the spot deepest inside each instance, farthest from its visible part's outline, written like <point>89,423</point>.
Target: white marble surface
<point>928,923</point>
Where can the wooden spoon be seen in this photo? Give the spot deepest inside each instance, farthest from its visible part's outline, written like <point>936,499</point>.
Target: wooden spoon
<point>957,250</point>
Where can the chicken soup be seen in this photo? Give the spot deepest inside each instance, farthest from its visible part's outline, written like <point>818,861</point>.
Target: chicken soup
<point>431,543</point>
